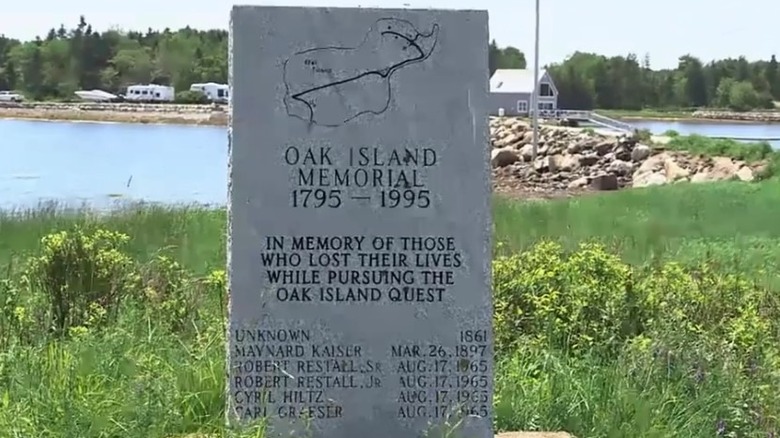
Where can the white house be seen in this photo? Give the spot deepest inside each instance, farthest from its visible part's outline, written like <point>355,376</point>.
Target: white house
<point>213,91</point>
<point>512,89</point>
<point>150,93</point>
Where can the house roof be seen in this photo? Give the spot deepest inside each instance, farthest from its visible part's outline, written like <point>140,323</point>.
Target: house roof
<point>514,80</point>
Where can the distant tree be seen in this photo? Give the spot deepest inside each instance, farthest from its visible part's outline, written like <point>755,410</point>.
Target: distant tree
<point>509,57</point>
<point>772,78</point>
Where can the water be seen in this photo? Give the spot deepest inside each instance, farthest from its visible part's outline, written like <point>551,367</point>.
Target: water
<point>102,164</point>
<point>739,130</point>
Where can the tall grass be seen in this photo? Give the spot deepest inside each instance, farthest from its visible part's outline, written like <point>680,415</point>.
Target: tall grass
<point>140,376</point>
<point>737,224</point>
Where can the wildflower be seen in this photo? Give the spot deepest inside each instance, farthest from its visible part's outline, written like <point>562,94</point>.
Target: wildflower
<point>721,428</point>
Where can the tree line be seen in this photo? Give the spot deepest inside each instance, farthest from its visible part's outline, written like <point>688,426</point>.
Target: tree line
<point>67,60</point>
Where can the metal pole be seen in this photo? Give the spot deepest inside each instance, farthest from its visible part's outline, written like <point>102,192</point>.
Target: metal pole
<point>535,98</point>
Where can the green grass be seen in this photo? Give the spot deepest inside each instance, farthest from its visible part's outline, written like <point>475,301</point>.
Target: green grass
<point>734,223</point>
<point>139,377</point>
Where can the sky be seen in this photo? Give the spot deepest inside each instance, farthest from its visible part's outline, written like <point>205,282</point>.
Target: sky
<point>665,29</point>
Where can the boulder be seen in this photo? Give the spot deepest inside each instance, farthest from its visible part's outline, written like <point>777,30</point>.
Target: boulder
<point>503,157</point>
<point>620,167</point>
<point>640,153</point>
<point>745,173</point>
<point>723,168</point>
<point>673,171</point>
<point>605,181</point>
<point>649,179</point>
<point>578,183</point>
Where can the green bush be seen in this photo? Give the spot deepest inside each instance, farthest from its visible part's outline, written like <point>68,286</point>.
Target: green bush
<point>671,133</point>
<point>579,302</point>
<point>81,279</point>
<point>589,299</point>
<point>191,97</point>
<point>643,135</point>
<point>83,276</point>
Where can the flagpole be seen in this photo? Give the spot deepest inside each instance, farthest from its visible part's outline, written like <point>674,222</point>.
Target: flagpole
<point>535,98</point>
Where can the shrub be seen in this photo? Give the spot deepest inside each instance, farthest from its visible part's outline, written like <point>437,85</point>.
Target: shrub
<point>579,302</point>
<point>589,300</point>
<point>82,275</point>
<point>168,289</point>
<point>191,97</point>
<point>643,135</point>
<point>671,133</point>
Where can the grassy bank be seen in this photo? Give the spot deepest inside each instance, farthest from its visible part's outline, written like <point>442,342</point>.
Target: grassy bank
<point>669,328</point>
<point>648,114</point>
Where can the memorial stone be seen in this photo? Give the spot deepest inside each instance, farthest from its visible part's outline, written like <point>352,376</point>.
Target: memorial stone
<point>359,223</point>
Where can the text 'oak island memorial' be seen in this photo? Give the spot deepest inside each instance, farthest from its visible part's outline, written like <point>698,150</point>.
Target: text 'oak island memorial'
<point>359,246</point>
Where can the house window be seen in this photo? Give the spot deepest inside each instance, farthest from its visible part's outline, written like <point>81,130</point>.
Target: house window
<point>546,106</point>
<point>522,106</point>
<point>220,93</point>
<point>545,90</point>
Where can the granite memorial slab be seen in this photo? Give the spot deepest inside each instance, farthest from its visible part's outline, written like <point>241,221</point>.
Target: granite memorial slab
<point>359,222</point>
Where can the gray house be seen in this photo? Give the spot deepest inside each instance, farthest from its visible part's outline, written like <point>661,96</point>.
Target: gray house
<point>511,89</point>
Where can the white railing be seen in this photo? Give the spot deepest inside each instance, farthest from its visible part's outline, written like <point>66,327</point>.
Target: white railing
<point>610,122</point>
<point>562,114</point>
<point>590,116</point>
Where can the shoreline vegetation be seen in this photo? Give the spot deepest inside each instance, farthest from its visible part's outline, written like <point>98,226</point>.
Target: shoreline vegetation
<point>649,312</point>
<point>217,115</point>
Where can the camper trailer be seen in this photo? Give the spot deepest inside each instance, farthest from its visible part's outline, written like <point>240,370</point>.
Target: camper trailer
<point>213,91</point>
<point>150,93</point>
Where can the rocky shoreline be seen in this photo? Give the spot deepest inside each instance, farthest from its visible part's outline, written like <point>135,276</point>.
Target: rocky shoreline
<point>752,116</point>
<point>571,161</point>
<point>215,115</point>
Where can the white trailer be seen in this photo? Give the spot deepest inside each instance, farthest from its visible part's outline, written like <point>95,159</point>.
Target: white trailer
<point>150,93</point>
<point>213,91</point>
